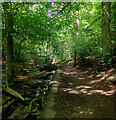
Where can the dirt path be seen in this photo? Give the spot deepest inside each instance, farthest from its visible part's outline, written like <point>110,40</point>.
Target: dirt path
<point>78,94</point>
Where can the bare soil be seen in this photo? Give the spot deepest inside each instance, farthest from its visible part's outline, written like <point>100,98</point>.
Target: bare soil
<point>80,94</point>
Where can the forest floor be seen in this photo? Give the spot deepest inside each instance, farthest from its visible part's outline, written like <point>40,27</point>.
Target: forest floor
<point>78,93</point>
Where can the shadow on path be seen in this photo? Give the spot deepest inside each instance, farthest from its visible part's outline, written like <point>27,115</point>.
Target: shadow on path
<point>78,94</point>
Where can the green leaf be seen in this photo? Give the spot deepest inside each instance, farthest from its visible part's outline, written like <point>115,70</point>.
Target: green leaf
<point>14,93</point>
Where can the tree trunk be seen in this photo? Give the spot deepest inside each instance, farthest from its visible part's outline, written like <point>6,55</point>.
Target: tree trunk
<point>65,50</point>
<point>106,28</point>
<point>8,41</point>
<point>76,22</point>
<point>75,44</point>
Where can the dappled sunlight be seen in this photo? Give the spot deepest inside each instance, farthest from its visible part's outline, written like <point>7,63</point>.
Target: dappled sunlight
<point>73,92</point>
<point>28,70</point>
<point>96,85</point>
<point>52,82</point>
<point>101,74</point>
<point>83,86</point>
<point>66,72</point>
<point>54,86</point>
<point>112,87</point>
<point>91,57</point>
<point>23,77</point>
<point>65,89</point>
<point>107,93</point>
<point>90,113</point>
<point>69,72</point>
<point>87,91</point>
<point>109,75</point>
<point>86,112</point>
<point>90,76</point>
<point>90,92</point>
<point>56,59</point>
<point>70,83</point>
<point>84,72</point>
<point>104,76</point>
<point>83,91</point>
<point>111,78</point>
<point>90,84</point>
<point>81,78</point>
<point>81,112</point>
<point>96,81</point>
<point>71,63</point>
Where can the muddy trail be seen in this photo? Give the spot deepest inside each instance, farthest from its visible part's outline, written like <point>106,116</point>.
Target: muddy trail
<point>78,94</point>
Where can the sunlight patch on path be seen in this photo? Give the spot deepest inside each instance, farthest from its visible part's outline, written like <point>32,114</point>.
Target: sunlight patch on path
<point>66,72</point>
<point>81,95</point>
<point>88,91</point>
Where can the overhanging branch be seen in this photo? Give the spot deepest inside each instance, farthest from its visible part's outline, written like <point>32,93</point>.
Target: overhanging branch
<point>58,13</point>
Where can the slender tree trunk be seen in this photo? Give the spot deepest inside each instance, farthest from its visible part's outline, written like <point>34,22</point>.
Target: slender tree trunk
<point>8,41</point>
<point>76,23</point>
<point>113,37</point>
<point>65,50</point>
<point>106,28</point>
<point>75,43</point>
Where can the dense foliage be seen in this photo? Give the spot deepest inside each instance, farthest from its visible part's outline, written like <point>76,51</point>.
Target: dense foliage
<point>42,33</point>
<point>41,29</point>
<point>35,35</point>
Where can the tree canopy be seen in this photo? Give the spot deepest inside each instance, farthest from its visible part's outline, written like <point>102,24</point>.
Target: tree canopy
<point>38,36</point>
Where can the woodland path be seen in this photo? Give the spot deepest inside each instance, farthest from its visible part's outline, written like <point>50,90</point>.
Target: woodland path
<point>77,94</point>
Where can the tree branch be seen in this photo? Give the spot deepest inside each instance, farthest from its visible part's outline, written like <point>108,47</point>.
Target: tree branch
<point>57,13</point>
